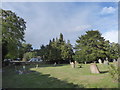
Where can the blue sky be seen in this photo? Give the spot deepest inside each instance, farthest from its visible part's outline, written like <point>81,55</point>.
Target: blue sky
<point>47,20</point>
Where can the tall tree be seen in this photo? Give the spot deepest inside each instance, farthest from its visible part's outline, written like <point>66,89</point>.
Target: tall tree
<point>114,51</point>
<point>57,50</point>
<point>61,40</point>
<point>13,28</point>
<point>24,48</point>
<point>91,47</point>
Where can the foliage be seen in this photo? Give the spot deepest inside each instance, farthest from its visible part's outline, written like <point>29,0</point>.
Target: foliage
<point>24,48</point>
<point>57,50</point>
<point>91,47</point>
<point>13,28</point>
<point>29,55</point>
<point>114,52</point>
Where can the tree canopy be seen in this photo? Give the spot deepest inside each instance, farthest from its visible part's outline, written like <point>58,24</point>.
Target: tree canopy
<point>13,28</point>
<point>57,50</point>
<point>89,47</point>
<point>92,46</point>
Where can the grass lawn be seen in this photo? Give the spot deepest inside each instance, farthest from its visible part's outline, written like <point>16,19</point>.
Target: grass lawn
<point>62,76</point>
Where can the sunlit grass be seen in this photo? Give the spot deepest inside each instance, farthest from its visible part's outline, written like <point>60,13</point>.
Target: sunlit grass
<point>61,76</point>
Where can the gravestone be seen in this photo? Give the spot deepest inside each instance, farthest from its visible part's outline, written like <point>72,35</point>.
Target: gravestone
<point>24,67</point>
<point>20,72</point>
<point>100,61</point>
<point>106,58</point>
<point>94,68</point>
<point>115,63</point>
<point>76,63</point>
<point>36,65</point>
<point>55,64</point>
<point>114,60</point>
<point>106,62</point>
<point>72,64</point>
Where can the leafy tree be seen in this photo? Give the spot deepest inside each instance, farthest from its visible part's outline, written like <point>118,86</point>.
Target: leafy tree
<point>13,28</point>
<point>91,47</point>
<point>24,48</point>
<point>29,55</point>
<point>57,50</point>
<point>61,38</point>
<point>114,51</point>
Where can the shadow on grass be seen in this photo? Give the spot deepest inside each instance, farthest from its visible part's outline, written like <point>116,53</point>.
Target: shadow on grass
<point>34,79</point>
<point>102,72</point>
<point>50,65</point>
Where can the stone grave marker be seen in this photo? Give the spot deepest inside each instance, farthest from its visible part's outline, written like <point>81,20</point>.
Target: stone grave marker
<point>106,62</point>
<point>94,68</point>
<point>37,65</point>
<point>76,63</point>
<point>114,60</point>
<point>24,67</point>
<point>55,64</point>
<point>100,61</point>
<point>72,64</point>
<point>20,72</point>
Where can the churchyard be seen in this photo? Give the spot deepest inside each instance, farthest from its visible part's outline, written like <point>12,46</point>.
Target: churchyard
<point>58,76</point>
<point>53,56</point>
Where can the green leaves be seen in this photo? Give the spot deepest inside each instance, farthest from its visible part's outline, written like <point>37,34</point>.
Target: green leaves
<point>57,50</point>
<point>13,28</point>
<point>91,46</point>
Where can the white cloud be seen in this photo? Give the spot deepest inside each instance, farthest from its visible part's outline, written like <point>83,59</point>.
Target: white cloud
<point>108,10</point>
<point>81,28</point>
<point>46,20</point>
<point>112,36</point>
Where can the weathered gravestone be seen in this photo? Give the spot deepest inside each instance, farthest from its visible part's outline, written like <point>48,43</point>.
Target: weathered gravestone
<point>20,72</point>
<point>100,61</point>
<point>37,65</point>
<point>72,64</point>
<point>114,60</point>
<point>55,64</point>
<point>106,62</point>
<point>94,68</point>
<point>24,67</point>
<point>76,63</point>
<point>115,63</point>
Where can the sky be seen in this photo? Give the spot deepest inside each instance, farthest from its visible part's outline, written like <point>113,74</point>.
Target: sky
<point>46,20</point>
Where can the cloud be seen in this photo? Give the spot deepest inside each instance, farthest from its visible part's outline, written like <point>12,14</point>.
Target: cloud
<point>112,36</point>
<point>108,10</point>
<point>47,20</point>
<point>81,28</point>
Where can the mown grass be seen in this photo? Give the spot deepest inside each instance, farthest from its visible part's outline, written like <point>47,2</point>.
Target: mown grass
<point>61,76</point>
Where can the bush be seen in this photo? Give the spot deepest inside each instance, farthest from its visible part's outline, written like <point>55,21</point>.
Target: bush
<point>114,72</point>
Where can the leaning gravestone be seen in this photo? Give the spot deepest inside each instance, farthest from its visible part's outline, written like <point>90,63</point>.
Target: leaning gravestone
<point>94,68</point>
<point>100,61</point>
